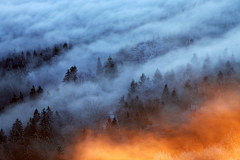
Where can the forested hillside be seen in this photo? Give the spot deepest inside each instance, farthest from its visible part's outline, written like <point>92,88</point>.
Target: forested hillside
<point>111,80</point>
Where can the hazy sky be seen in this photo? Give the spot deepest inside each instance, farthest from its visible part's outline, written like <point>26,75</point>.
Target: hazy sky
<point>108,25</point>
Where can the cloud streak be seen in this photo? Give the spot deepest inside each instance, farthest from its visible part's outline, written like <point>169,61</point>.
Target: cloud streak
<point>26,24</point>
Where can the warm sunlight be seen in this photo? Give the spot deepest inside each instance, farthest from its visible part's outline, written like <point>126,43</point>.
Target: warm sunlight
<point>211,132</point>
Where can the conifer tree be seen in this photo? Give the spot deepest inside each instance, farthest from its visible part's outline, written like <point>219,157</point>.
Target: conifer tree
<point>122,101</point>
<point>170,76</point>
<point>109,119</point>
<point>67,76</point>
<point>220,78</point>
<point>14,99</point>
<point>39,90</point>
<point>99,67</point>
<point>34,53</point>
<point>36,116</point>
<point>174,98</point>
<point>60,154</point>
<point>194,59</point>
<point>32,93</point>
<point>166,94</point>
<point>110,68</point>
<point>65,46</point>
<point>233,59</point>
<point>127,115</point>
<point>174,93</point>
<point>109,123</point>
<point>45,127</point>
<point>73,71</point>
<point>114,121</point>
<point>196,89</point>
<point>28,55</point>
<point>206,70</point>
<point>149,106</point>
<point>21,98</point>
<point>75,78</point>
<point>16,131</point>
<point>2,109</point>
<point>187,85</point>
<point>133,87</point>
<point>205,82</point>
<point>143,78</point>
<point>30,131</point>
<point>228,65</point>
<point>22,55</point>
<point>71,75</point>
<point>126,105</point>
<point>188,72</point>
<point>58,119</point>
<point>132,104</point>
<point>138,103</point>
<point>49,111</point>
<point>232,71</point>
<point>229,69</point>
<point>156,104</point>
<point>129,96</point>
<point>55,50</point>
<point>157,78</point>
<point>3,137</point>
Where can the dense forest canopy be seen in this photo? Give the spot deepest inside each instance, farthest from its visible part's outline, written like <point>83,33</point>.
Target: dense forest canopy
<point>122,80</point>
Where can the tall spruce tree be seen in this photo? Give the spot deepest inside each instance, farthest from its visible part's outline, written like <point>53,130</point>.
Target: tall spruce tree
<point>165,95</point>
<point>60,154</point>
<point>229,69</point>
<point>99,67</point>
<point>133,87</point>
<point>36,116</point>
<point>71,75</point>
<point>16,132</point>
<point>114,121</point>
<point>205,82</point>
<point>45,127</point>
<point>30,131</point>
<point>149,106</point>
<point>169,76</point>
<point>174,98</point>
<point>67,76</point>
<point>21,98</point>
<point>122,101</point>
<point>206,69</point>
<point>14,99</point>
<point>157,78</point>
<point>65,46</point>
<point>188,72</point>
<point>187,85</point>
<point>110,68</point>
<point>138,103</point>
<point>143,79</point>
<point>56,50</point>
<point>2,109</point>
<point>39,90</point>
<point>34,53</point>
<point>194,59</point>
<point>3,137</point>
<point>32,93</point>
<point>28,55</point>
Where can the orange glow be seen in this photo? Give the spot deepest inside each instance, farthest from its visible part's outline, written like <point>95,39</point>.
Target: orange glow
<point>212,132</point>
